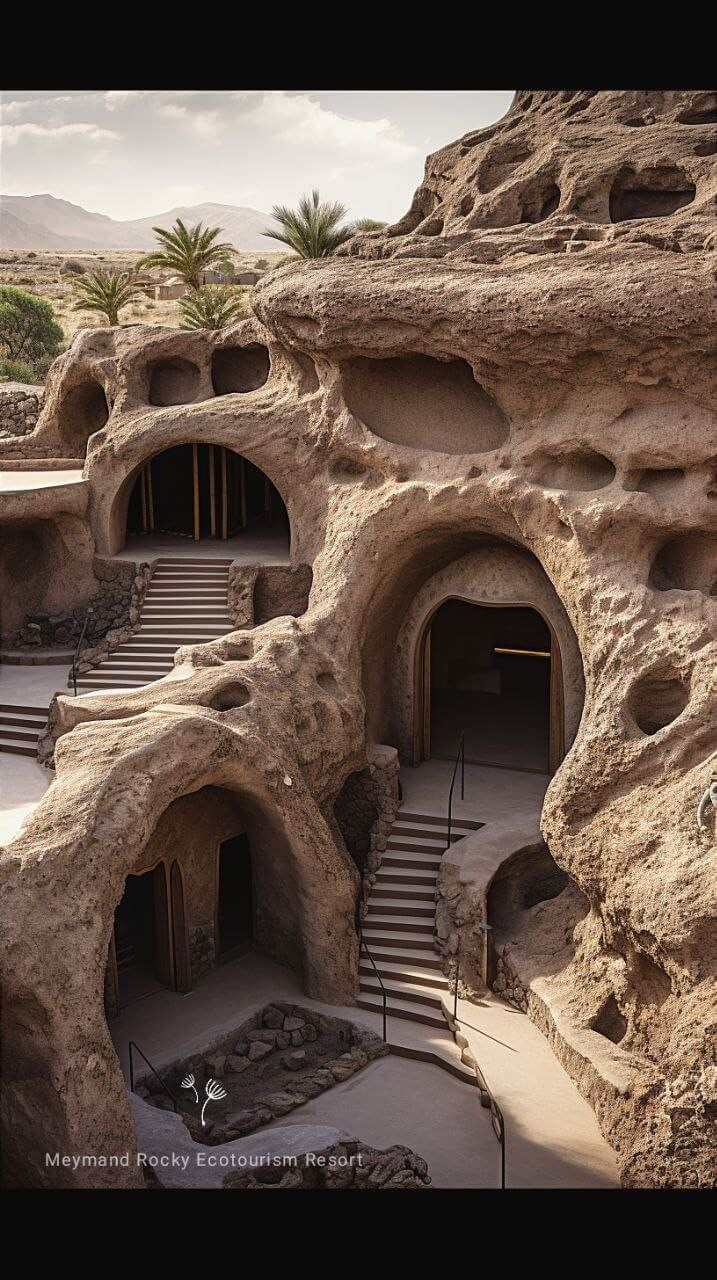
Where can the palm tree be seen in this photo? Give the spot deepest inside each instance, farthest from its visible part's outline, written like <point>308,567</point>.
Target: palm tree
<point>188,251</point>
<point>368,224</point>
<point>106,292</point>
<point>312,230</point>
<point>211,307</point>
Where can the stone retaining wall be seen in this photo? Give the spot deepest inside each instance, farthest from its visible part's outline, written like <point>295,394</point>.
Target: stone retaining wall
<point>20,406</point>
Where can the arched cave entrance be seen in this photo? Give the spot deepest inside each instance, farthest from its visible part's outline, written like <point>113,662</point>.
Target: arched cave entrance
<point>494,673</point>
<point>201,491</point>
<point>143,957</point>
<point>235,898</point>
<point>215,880</point>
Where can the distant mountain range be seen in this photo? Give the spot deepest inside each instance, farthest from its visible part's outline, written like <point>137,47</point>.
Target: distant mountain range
<point>44,222</point>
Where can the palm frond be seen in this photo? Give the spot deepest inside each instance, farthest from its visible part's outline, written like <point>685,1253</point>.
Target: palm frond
<point>312,230</point>
<point>105,292</point>
<point>188,251</point>
<point>211,307</point>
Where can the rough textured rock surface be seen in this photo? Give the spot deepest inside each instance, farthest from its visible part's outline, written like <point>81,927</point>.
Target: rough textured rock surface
<point>561,258</point>
<point>349,1165</point>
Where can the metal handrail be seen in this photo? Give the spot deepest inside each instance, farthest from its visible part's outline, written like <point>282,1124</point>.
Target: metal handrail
<point>133,1046</point>
<point>460,759</point>
<point>497,1120</point>
<point>78,650</point>
<point>496,1115</point>
<point>365,945</point>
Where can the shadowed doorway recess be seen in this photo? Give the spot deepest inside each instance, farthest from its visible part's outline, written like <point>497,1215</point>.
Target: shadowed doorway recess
<point>203,491</point>
<point>495,672</point>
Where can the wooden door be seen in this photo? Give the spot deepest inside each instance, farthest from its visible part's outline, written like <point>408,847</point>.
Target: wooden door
<point>163,965</point>
<point>180,938</point>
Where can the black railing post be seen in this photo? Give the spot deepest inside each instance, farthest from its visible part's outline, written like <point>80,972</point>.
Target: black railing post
<point>463,766</point>
<point>134,1046</point>
<point>455,989</point>
<point>78,650</point>
<point>362,943</point>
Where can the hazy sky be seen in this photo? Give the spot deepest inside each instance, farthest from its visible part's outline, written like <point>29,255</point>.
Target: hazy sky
<point>140,152</point>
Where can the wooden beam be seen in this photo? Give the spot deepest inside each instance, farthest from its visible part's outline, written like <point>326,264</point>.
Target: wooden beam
<point>224,494</point>
<point>242,490</point>
<point>212,494</point>
<point>150,499</point>
<point>195,473</point>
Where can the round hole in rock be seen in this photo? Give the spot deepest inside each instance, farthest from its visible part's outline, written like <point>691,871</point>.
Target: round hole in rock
<point>578,470</point>
<point>656,699</point>
<point>705,148</point>
<point>83,411</point>
<point>240,368</point>
<point>650,193</point>
<point>230,697</point>
<point>432,228</point>
<point>424,403</point>
<point>610,1022</point>
<point>173,381</point>
<point>706,115</point>
<point>328,683</point>
<point>346,469</point>
<point>499,165</point>
<point>538,205</point>
<point>466,206</point>
<point>686,563</point>
<point>659,481</point>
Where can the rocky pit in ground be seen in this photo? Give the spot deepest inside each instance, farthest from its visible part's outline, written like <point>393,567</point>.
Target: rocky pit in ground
<point>274,1061</point>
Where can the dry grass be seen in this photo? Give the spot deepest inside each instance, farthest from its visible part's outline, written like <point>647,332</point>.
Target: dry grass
<point>41,274</point>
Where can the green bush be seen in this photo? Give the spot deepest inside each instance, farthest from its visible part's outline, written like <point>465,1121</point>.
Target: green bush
<point>29,332</point>
<point>15,371</point>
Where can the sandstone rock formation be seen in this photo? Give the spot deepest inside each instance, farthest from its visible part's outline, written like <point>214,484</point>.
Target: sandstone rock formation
<point>521,362</point>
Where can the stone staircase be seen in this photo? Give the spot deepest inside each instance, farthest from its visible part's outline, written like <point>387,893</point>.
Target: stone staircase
<point>20,728</point>
<point>399,924</point>
<point>185,603</point>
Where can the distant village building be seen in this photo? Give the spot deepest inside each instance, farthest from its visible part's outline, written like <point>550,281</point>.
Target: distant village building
<point>248,277</point>
<point>174,287</point>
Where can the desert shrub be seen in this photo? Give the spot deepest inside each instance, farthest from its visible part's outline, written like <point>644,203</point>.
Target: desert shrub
<point>15,371</point>
<point>29,331</point>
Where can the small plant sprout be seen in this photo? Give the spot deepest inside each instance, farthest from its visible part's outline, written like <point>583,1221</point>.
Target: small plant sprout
<point>188,1083</point>
<point>215,1092</point>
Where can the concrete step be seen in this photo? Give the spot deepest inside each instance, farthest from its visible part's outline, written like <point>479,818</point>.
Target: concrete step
<point>406,954</point>
<point>409,893</point>
<point>183,634</point>
<point>198,596</point>
<point>16,748</point>
<point>404,991</point>
<point>190,614</point>
<point>18,735</point>
<point>406,971</point>
<point>35,722</point>
<point>418,861</point>
<point>422,877</point>
<point>135,660</point>
<point>426,836</point>
<point>378,936</point>
<point>23,710</point>
<point>400,907</point>
<point>404,815</point>
<point>135,672</point>
<point>435,847</point>
<point>399,923</point>
<point>401,1009</point>
<point>104,682</point>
